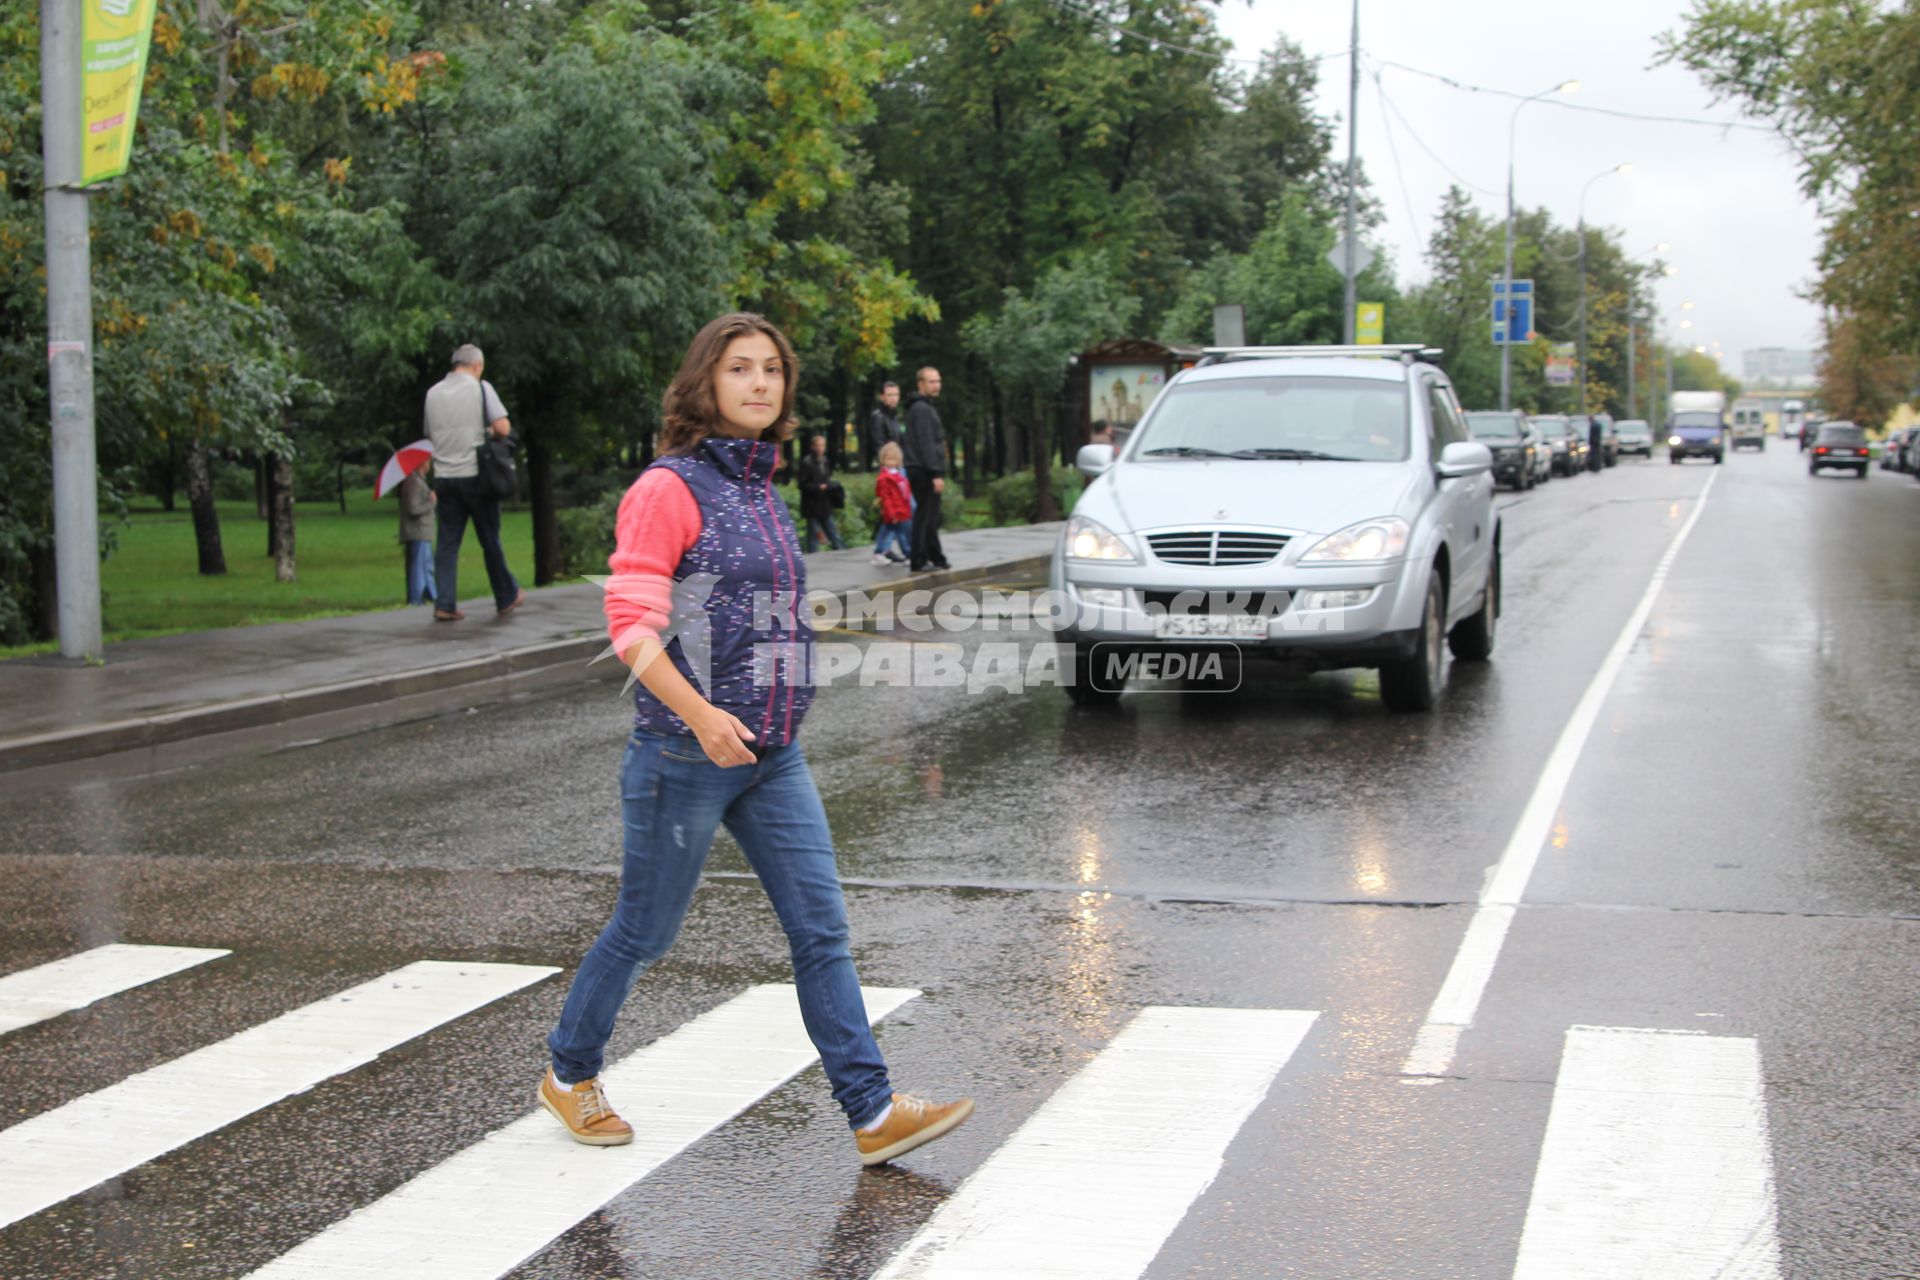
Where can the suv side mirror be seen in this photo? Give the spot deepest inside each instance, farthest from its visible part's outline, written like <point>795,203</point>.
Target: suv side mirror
<point>1094,459</point>
<point>1464,458</point>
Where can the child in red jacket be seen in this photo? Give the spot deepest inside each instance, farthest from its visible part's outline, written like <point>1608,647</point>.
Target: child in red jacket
<point>896,508</point>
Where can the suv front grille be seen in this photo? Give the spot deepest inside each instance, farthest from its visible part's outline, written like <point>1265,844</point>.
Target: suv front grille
<point>1270,604</point>
<point>1217,547</point>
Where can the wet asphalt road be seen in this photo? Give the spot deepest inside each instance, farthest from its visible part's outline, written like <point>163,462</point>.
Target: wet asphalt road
<point>1738,852</point>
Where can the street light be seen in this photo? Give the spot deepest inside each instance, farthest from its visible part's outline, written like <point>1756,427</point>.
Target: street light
<point>1513,124</point>
<point>1581,354</point>
<point>1633,342</point>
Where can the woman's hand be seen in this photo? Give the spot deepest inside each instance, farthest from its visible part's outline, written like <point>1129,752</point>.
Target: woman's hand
<point>723,737</point>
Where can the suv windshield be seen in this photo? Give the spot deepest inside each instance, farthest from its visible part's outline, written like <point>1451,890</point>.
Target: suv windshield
<point>1842,435</point>
<point>1282,418</point>
<point>1493,426</point>
<point>1696,421</point>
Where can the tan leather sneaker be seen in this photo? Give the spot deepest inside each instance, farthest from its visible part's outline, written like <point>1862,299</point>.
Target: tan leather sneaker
<point>912,1123</point>
<point>584,1109</point>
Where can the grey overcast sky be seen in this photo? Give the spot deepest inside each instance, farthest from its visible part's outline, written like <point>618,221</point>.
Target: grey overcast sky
<point>1744,238</point>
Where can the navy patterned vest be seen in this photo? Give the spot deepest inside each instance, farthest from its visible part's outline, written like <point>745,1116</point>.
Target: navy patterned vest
<point>737,629</point>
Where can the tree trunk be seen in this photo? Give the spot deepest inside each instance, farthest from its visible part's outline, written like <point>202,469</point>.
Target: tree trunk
<point>170,471</point>
<point>206,518</point>
<point>280,482</point>
<point>340,480</point>
<point>263,491</point>
<point>1044,507</point>
<point>837,414</point>
<point>44,622</point>
<point>547,565</point>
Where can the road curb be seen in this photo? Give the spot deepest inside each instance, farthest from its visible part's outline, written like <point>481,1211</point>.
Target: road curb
<point>142,733</point>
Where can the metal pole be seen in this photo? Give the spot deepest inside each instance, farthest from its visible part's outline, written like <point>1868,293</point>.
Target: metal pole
<point>1581,356</point>
<point>1353,167</point>
<point>1506,347</point>
<point>76,513</point>
<point>1633,403</point>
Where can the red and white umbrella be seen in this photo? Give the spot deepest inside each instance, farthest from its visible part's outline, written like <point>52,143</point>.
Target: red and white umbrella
<point>401,465</point>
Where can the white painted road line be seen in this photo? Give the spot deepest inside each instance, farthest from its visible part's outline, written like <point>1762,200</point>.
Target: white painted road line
<point>1101,1175</point>
<point>484,1211</point>
<point>100,1135</point>
<point>1655,1164</point>
<point>61,986</point>
<point>1459,999</point>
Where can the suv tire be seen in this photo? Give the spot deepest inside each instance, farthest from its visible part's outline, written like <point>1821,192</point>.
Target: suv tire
<point>1472,640</point>
<point>1081,691</point>
<point>1413,683</point>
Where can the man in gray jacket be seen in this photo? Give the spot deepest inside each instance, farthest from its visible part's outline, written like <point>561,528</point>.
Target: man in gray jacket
<point>926,458</point>
<point>461,409</point>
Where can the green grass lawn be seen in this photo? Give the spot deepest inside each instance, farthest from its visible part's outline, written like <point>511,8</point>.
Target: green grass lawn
<point>345,564</point>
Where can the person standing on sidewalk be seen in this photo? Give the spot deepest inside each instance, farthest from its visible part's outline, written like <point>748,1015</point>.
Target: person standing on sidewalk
<point>894,506</point>
<point>926,450</point>
<point>700,548</point>
<point>461,409</point>
<point>416,535</point>
<point>816,495</point>
<point>883,425</point>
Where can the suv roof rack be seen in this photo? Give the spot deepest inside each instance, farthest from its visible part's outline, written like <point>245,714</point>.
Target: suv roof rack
<point>1405,352</point>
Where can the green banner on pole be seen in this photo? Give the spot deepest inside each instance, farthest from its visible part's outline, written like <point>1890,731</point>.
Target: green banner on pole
<point>114,36</point>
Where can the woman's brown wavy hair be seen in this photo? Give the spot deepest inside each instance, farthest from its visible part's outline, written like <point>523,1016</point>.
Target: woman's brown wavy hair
<point>689,410</point>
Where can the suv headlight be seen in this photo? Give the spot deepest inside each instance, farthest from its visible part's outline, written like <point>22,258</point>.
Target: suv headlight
<point>1091,540</point>
<point>1382,539</point>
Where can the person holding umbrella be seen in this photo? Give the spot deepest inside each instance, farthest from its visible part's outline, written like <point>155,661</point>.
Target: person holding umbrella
<point>702,604</point>
<point>417,500</point>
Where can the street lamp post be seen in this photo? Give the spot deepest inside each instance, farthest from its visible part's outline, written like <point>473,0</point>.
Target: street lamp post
<point>1513,124</point>
<point>1581,355</point>
<point>1633,396</point>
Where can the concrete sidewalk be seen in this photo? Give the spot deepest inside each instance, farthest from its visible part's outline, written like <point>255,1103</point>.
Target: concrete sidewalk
<point>152,694</point>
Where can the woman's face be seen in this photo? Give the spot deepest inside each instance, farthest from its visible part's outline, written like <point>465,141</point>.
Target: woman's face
<point>748,386</point>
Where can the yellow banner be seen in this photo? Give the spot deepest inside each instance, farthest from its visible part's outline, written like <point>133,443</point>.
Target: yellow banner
<point>114,35</point>
<point>1369,323</point>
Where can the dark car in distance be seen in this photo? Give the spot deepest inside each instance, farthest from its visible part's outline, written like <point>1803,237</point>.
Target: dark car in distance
<point>1840,446</point>
<point>1514,444</point>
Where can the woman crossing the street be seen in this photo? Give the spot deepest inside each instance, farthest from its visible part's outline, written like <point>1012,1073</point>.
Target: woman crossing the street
<point>702,605</point>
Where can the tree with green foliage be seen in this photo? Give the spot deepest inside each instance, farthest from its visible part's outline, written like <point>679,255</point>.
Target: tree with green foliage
<point>1841,82</point>
<point>1028,341</point>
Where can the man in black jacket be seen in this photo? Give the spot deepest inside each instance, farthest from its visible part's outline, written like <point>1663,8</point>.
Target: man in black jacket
<point>883,427</point>
<point>926,450</point>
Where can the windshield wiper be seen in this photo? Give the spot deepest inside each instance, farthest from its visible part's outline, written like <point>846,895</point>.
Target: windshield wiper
<point>1292,455</point>
<point>1187,451</point>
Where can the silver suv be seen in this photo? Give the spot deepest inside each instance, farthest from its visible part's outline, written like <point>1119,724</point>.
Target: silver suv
<point>1320,506</point>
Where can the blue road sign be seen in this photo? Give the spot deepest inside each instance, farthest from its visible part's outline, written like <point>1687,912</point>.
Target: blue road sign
<point>1512,326</point>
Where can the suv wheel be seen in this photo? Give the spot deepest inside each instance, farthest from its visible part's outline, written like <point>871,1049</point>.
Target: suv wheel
<point>1472,640</point>
<point>1082,690</point>
<point>1412,683</point>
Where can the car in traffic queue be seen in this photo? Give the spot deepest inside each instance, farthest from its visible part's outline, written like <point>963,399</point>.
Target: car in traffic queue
<point>1314,507</point>
<point>1635,437</point>
<point>1749,424</point>
<point>1609,440</point>
<point>1515,444</point>
<point>1839,446</point>
<point>1568,453</point>
<point>1896,452</point>
<point>1695,434</point>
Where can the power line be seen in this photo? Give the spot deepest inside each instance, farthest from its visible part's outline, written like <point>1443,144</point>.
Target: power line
<point>1406,192</point>
<point>1415,134</point>
<point>1564,105</point>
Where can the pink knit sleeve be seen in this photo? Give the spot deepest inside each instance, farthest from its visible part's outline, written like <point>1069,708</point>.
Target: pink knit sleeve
<point>659,520</point>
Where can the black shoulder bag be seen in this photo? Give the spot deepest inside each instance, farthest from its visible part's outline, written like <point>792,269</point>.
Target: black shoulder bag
<point>495,458</point>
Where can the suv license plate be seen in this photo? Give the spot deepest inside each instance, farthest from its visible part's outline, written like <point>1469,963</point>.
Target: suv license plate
<point>1209,627</point>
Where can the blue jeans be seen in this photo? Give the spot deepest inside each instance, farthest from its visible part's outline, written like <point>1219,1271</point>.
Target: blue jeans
<point>673,798</point>
<point>816,525</point>
<point>894,535</point>
<point>419,572</point>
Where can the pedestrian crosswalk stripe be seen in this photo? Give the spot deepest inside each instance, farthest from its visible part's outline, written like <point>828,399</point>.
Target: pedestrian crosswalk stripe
<point>61,1152</point>
<point>487,1209</point>
<point>76,981</point>
<point>1655,1162</point>
<point>1099,1177</point>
